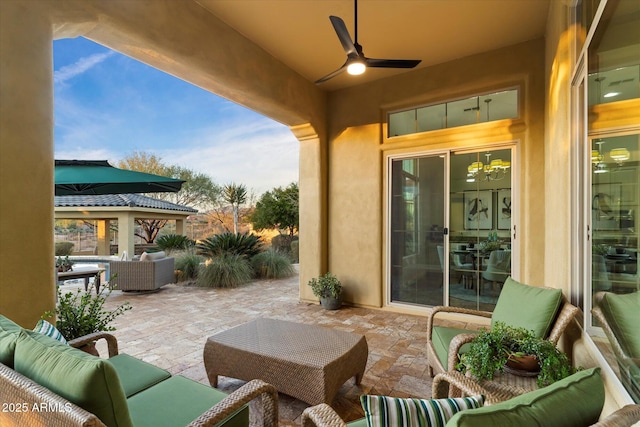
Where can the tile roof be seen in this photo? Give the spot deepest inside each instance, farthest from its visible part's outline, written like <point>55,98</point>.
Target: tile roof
<point>123,200</point>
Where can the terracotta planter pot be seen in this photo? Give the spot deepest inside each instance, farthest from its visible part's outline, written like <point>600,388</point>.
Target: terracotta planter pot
<point>524,363</point>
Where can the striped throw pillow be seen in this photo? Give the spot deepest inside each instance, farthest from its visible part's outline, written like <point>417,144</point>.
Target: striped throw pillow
<point>46,328</point>
<point>384,411</point>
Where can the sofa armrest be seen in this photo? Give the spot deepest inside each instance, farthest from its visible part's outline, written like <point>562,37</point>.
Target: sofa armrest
<point>29,396</point>
<point>239,398</point>
<point>454,349</point>
<point>626,416</point>
<point>321,415</point>
<point>442,309</point>
<point>112,342</point>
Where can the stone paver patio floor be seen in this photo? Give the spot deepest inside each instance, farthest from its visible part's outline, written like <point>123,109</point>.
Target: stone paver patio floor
<point>169,329</point>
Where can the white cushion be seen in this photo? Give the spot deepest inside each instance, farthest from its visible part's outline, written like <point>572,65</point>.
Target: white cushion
<point>46,328</point>
<point>152,256</point>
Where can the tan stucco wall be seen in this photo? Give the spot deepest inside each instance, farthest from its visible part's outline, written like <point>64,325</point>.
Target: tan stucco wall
<point>357,150</point>
<point>26,167</point>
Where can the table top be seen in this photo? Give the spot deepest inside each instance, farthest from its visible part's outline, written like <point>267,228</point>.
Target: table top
<point>296,342</point>
<point>79,274</point>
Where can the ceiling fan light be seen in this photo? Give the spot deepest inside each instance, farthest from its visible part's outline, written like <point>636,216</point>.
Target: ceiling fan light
<point>356,68</point>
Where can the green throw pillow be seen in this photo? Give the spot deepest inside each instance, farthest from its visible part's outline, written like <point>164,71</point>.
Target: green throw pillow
<point>87,381</point>
<point>46,328</point>
<point>623,314</point>
<point>529,307</point>
<point>384,411</point>
<point>575,401</point>
<point>9,332</point>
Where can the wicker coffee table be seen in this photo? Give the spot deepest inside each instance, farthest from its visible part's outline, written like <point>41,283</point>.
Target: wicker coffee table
<point>307,362</point>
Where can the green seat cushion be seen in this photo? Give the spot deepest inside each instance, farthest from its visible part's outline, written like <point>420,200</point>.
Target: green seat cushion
<point>178,401</point>
<point>574,401</point>
<point>85,380</point>
<point>529,307</point>
<point>623,315</point>
<point>9,331</point>
<point>136,375</point>
<point>441,338</point>
<point>362,422</point>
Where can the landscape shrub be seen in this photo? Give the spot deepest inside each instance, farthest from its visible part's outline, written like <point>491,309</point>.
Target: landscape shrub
<point>271,264</point>
<point>188,265</point>
<point>243,244</point>
<point>295,251</point>
<point>225,271</point>
<point>169,242</point>
<point>64,248</point>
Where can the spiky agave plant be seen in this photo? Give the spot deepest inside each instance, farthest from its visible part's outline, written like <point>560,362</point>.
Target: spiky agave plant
<point>243,244</point>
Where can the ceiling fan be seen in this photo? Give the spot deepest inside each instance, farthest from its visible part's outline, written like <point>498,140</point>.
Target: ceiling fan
<point>356,62</point>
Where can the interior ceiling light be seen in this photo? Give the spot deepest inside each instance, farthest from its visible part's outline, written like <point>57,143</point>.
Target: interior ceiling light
<point>356,62</point>
<point>611,94</point>
<point>492,170</point>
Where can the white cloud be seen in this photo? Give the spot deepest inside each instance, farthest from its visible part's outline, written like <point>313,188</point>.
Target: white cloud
<point>80,66</point>
<point>262,155</point>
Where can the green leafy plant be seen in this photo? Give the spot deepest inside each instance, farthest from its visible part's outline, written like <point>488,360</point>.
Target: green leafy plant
<point>63,248</point>
<point>225,271</point>
<point>80,313</point>
<point>491,349</point>
<point>271,264</point>
<point>243,244</point>
<point>63,264</point>
<point>169,242</point>
<point>188,264</point>
<point>327,286</point>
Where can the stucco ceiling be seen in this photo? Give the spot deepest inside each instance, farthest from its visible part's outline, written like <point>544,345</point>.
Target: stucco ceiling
<point>299,33</point>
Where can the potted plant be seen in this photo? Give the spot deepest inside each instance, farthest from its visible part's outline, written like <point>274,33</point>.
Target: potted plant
<point>63,264</point>
<point>329,289</point>
<point>492,349</point>
<point>80,313</point>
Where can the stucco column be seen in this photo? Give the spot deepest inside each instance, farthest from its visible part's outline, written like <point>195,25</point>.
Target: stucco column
<point>180,227</point>
<point>26,163</point>
<point>103,243</point>
<point>312,208</point>
<point>126,228</point>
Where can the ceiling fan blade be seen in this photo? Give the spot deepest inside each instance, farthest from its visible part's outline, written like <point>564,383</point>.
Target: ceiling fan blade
<point>343,35</point>
<point>333,74</point>
<point>392,63</point>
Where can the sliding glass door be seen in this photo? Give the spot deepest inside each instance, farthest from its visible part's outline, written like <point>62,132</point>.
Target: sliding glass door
<point>450,228</point>
<point>417,223</point>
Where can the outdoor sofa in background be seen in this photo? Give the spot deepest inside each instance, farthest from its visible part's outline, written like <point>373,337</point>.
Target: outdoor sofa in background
<point>150,273</point>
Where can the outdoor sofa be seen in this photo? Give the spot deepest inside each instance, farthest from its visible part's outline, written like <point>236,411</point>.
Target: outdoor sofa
<point>150,273</point>
<point>46,382</point>
<point>575,401</point>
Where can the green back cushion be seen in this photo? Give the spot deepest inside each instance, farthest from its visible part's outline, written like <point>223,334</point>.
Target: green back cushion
<point>574,401</point>
<point>136,375</point>
<point>178,401</point>
<point>8,335</point>
<point>385,411</point>
<point>528,307</point>
<point>623,314</point>
<point>85,380</point>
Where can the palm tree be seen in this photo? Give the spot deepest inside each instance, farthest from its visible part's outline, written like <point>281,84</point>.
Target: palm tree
<point>235,195</point>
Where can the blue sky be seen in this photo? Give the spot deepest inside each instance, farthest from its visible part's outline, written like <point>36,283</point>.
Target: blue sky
<point>108,105</point>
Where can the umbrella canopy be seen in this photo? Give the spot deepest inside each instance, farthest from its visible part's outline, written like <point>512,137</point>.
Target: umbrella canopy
<point>86,177</point>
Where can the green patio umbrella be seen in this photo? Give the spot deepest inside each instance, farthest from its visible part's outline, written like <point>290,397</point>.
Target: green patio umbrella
<point>87,177</point>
